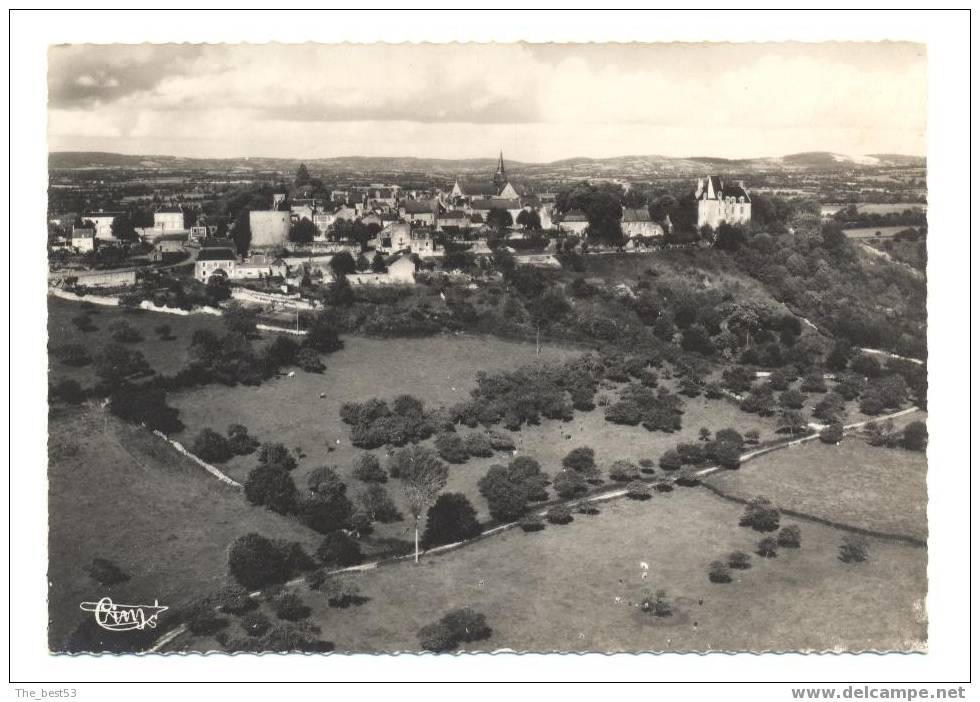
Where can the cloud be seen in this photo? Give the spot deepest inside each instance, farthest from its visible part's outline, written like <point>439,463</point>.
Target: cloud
<point>580,98</point>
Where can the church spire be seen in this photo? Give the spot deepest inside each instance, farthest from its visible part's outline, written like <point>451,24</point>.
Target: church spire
<point>500,177</point>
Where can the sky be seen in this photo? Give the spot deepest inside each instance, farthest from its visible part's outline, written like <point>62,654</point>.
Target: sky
<point>536,102</point>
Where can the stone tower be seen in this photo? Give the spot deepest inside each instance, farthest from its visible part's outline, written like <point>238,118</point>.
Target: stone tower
<point>500,177</point>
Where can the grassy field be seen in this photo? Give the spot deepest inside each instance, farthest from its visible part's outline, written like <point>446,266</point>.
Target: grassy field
<point>557,589</point>
<point>116,491</point>
<point>871,232</point>
<point>869,487</point>
<point>439,370</point>
<point>163,356</point>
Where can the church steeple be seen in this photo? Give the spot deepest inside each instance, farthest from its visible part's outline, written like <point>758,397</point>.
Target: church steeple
<point>500,177</point>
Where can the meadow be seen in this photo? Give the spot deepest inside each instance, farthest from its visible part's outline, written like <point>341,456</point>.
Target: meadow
<point>557,590</point>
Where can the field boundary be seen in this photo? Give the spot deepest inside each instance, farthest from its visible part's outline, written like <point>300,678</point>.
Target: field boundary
<point>179,447</point>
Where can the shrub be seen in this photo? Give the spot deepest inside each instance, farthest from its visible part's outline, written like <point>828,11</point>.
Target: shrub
<point>587,508</point>
<point>752,436</point>
<point>569,483</point>
<point>123,332</point>
<point>202,620</point>
<point>256,562</point>
<point>255,623</point>
<point>450,448</point>
<point>500,441</point>
<point>687,477</point>
<point>233,599</point>
<point>728,455</point>
<point>272,488</point>
<point>871,404</point>
<point>478,445</point>
<point>813,382</point>
<point>853,550</point>
<point>275,455</point>
<point>531,522</point>
<point>638,490</point>
<point>767,547</point>
<point>309,360</point>
<point>508,489</point>
<point>378,505</point>
<point>339,550</point>
<point>691,454</point>
<point>239,442</point>
<point>105,572</point>
<point>559,514</point>
<point>671,460</point>
<point>739,560</point>
<point>288,606</point>
<point>581,460</point>
<point>451,519</point>
<point>789,536</point>
<point>761,515</point>
<point>663,486</point>
<point>341,592</point>
<point>69,391</point>
<point>437,638</point>
<point>832,433</point>
<point>915,436</point>
<point>467,625</point>
<point>792,399</point>
<point>164,332</point>
<point>713,391</point>
<point>325,506</point>
<point>367,468</point>
<point>718,572</point>
<point>210,446</point>
<point>74,355</point>
<point>624,472</point>
<point>623,412</point>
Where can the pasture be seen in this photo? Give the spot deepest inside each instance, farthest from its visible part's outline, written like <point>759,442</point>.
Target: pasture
<point>557,590</point>
<point>874,232</point>
<point>115,491</point>
<point>853,483</point>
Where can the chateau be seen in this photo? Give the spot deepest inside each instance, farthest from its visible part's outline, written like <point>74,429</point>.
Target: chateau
<point>718,202</point>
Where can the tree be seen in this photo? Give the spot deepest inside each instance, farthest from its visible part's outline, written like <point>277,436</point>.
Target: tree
<point>308,359</point>
<point>241,232</point>
<point>529,220</point>
<point>256,562</point>
<point>277,456</point>
<point>240,319</point>
<point>854,549</point>
<point>122,228</point>
<point>767,547</point>
<point>302,175</point>
<point>211,447</point>
<point>368,469</point>
<point>338,550</point>
<point>832,433</point>
<point>624,471</point>
<point>915,436</point>
<point>789,536</point>
<point>422,476</point>
<point>729,237</point>
<point>569,483</point>
<point>761,515</point>
<point>343,264</point>
<point>581,460</point>
<point>302,232</point>
<point>451,519</point>
<point>499,219</point>
<point>378,505</point>
<point>450,447</point>
<point>322,334</point>
<point>326,507</point>
<point>378,264</point>
<point>272,488</point>
<point>718,572</point>
<point>147,406</point>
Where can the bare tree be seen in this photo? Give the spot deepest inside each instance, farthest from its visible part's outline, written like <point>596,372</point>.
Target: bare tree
<point>422,476</point>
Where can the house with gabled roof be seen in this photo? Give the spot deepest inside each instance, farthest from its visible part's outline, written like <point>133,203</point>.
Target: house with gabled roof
<point>719,202</point>
<point>638,223</point>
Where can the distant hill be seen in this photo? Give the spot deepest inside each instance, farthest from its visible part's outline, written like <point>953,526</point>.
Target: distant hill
<point>815,160</point>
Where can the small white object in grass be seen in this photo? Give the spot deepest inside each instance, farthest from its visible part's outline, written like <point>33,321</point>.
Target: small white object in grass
<point>291,374</point>
<point>644,565</point>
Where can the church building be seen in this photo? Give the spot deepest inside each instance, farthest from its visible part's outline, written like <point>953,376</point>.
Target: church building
<point>498,187</point>
<point>720,202</point>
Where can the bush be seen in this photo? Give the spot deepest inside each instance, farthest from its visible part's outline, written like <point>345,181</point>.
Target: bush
<point>437,638</point>
<point>638,490</point>
<point>69,391</point>
<point>164,332</point>
<point>255,623</point>
<point>367,468</point>
<point>915,436</point>
<point>623,412</point>
<point>202,620</point>
<point>663,486</point>
<point>671,460</point>
<point>718,572</point>
<point>871,405</point>
<point>728,455</point>
<point>761,515</point>
<point>378,505</point>
<point>450,448</point>
<point>656,603</point>
<point>211,447</point>
<point>233,599</point>
<point>123,332</point>
<point>832,433</point>
<point>309,360</point>
<point>752,436</point>
<point>587,508</point>
<point>767,547</point>
<point>74,355</point>
<point>239,442</point>
<point>272,488</point>
<point>478,445</point>
<point>813,382</point>
<point>256,562</point>
<point>531,522</point>
<point>792,399</point>
<point>581,460</point>
<point>500,441</point>
<point>105,572</point>
<point>467,625</point>
<point>624,472</point>
<point>739,560</point>
<point>508,489</point>
<point>450,520</point>
<point>559,514</point>
<point>789,536</point>
<point>275,455</point>
<point>339,550</point>
<point>341,592</point>
<point>853,550</point>
<point>289,606</point>
<point>569,483</point>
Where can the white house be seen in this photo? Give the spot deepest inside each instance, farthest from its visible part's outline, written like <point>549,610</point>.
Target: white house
<point>720,202</point>
<point>168,219</point>
<point>102,223</point>
<point>83,239</point>
<point>637,223</point>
